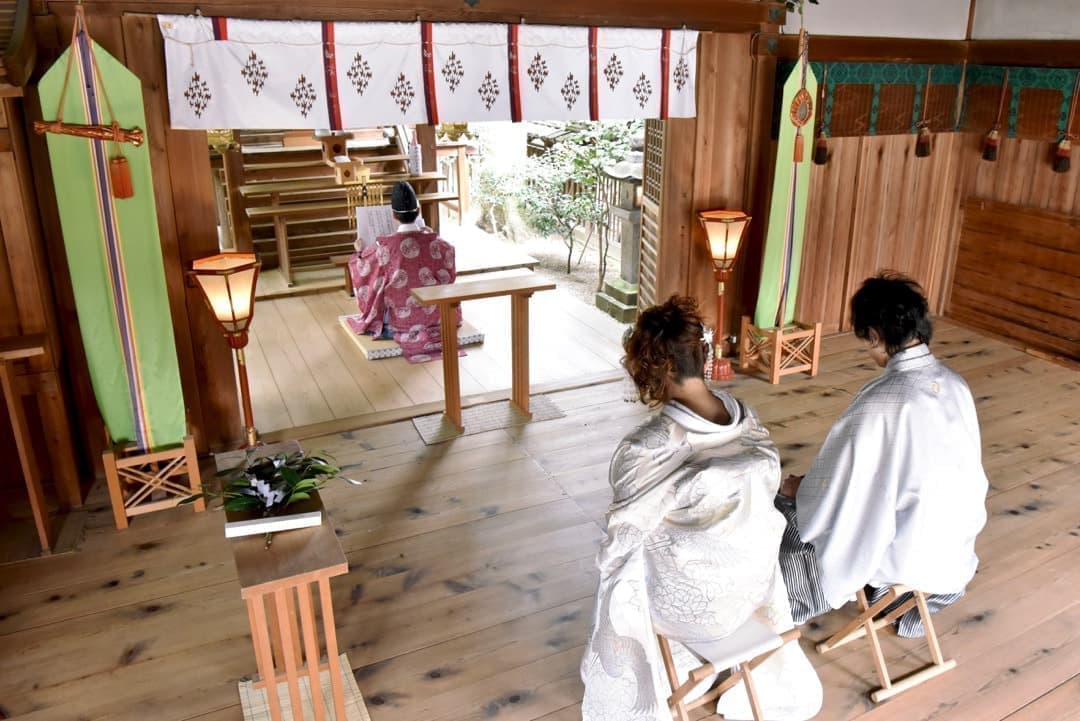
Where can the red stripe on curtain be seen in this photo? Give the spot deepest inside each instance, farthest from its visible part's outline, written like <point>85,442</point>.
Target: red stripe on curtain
<point>594,91</point>
<point>221,28</point>
<point>429,74</point>
<point>515,86</point>
<point>665,68</point>
<point>333,106</point>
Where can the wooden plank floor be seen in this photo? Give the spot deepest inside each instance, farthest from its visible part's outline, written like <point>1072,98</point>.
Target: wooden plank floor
<point>471,583</point>
<point>304,370</point>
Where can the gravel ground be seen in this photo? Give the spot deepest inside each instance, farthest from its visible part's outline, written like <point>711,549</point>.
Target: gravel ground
<point>551,252</point>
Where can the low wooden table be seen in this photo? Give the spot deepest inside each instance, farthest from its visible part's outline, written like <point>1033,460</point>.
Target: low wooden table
<point>281,578</point>
<point>448,297</point>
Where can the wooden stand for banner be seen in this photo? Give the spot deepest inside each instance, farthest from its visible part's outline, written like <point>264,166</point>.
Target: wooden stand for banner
<point>793,348</point>
<point>147,482</point>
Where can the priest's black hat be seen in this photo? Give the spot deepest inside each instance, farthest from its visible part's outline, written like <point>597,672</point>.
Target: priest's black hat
<point>403,199</point>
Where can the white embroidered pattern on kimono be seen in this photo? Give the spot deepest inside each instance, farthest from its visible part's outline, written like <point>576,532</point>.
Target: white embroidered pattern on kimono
<point>691,550</point>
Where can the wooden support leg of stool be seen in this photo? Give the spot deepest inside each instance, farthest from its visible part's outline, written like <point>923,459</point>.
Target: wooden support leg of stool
<point>116,490</point>
<point>191,460</point>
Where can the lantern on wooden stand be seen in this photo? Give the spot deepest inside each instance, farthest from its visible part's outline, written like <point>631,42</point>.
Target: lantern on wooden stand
<point>724,231</point>
<point>227,282</point>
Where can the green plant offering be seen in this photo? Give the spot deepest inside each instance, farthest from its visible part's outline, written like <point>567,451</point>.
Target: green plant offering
<point>270,484</point>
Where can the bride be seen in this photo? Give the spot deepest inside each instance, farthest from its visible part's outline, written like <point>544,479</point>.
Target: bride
<point>692,538</point>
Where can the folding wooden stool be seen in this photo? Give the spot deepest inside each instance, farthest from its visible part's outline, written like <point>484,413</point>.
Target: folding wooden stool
<point>141,482</point>
<point>865,625</point>
<point>742,651</point>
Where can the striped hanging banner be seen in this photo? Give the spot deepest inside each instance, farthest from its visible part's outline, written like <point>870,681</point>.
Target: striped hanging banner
<point>113,249</point>
<point>84,66</point>
<point>786,224</point>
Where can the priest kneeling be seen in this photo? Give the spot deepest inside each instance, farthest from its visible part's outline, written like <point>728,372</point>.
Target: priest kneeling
<point>897,493</point>
<point>384,274</point>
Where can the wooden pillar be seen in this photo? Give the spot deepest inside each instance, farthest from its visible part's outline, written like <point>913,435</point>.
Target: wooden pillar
<point>425,135</point>
<point>186,221</point>
<point>232,162</point>
<point>720,159</point>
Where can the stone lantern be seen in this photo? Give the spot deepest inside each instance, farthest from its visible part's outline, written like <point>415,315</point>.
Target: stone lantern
<point>620,191</point>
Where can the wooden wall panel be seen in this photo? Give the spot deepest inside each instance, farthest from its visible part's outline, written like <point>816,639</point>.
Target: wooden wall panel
<point>895,105</point>
<point>823,289</point>
<point>721,161</point>
<point>1018,275</point>
<point>876,206</point>
<point>187,224</point>
<point>1038,113</point>
<point>851,110</point>
<point>1022,175</point>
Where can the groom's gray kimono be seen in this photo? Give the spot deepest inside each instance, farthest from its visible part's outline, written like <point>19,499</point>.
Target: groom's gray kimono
<point>896,495</point>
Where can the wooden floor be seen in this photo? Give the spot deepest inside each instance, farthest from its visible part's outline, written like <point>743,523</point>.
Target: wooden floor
<point>304,370</point>
<point>471,583</point>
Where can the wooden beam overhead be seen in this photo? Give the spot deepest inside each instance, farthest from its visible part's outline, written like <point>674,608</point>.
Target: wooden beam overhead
<point>1034,53</point>
<point>866,50</point>
<point>837,48</point>
<point>714,15</point>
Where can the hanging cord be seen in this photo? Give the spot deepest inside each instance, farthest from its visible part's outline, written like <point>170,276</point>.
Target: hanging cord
<point>111,131</point>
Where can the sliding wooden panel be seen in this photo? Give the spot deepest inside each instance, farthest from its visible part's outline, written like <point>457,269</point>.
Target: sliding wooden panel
<point>1018,275</point>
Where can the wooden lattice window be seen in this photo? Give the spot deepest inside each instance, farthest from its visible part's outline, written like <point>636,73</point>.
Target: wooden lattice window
<point>652,183</point>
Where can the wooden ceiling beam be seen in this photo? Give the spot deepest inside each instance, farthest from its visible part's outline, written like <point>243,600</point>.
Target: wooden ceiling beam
<point>711,15</point>
<point>863,50</point>
<point>1033,53</point>
<point>1038,53</point>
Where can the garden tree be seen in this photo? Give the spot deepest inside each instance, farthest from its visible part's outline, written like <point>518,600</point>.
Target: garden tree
<point>560,192</point>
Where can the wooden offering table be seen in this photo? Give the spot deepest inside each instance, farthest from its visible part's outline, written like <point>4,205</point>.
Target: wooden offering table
<point>448,297</point>
<point>277,581</point>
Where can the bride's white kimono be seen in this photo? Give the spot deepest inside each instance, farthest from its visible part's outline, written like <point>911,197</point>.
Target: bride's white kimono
<point>691,550</point>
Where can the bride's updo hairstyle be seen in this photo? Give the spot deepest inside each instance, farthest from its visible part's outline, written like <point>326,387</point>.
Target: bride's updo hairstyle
<point>665,346</point>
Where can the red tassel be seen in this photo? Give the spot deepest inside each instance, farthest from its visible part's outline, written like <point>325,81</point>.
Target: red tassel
<point>1063,156</point>
<point>799,148</point>
<point>990,145</point>
<point>120,175</point>
<point>923,144</point>
<point>821,151</point>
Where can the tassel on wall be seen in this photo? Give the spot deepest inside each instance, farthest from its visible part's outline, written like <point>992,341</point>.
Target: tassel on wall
<point>990,145</point>
<point>1063,152</point>
<point>120,177</point>
<point>821,146</point>
<point>993,138</point>
<point>923,142</point>
<point>1062,156</point>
